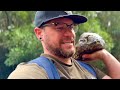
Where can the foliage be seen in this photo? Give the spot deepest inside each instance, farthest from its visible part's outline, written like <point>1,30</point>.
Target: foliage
<point>110,20</point>
<point>4,70</point>
<point>22,45</point>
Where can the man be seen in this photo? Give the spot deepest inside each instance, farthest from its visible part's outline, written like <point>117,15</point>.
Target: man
<point>56,31</point>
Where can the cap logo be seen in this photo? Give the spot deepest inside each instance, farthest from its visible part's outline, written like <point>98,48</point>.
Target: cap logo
<point>68,12</point>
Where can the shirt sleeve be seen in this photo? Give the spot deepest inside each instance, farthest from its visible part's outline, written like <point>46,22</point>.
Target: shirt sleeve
<point>28,71</point>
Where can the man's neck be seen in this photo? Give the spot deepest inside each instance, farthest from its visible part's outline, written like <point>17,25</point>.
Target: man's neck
<point>63,60</point>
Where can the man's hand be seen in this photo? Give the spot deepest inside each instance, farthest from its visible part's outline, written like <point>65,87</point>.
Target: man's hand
<point>98,55</point>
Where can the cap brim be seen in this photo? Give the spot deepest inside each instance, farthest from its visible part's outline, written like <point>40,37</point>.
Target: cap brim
<point>76,18</point>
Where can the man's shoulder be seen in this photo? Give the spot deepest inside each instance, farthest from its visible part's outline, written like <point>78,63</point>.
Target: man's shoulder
<point>25,64</point>
<point>27,70</point>
<point>28,66</point>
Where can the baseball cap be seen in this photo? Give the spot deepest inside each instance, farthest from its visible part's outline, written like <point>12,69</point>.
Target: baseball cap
<point>41,17</point>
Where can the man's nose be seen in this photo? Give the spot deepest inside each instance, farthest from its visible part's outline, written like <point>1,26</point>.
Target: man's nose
<point>69,32</point>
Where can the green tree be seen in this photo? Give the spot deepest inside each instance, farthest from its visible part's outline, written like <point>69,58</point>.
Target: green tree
<point>23,46</point>
<point>110,20</point>
<point>13,21</point>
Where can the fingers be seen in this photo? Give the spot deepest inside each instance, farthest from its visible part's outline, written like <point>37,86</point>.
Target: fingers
<point>94,56</point>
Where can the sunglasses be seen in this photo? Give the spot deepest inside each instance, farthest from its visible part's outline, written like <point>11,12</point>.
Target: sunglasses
<point>62,26</point>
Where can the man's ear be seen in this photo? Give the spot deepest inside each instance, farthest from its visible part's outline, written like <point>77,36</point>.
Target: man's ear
<point>38,32</point>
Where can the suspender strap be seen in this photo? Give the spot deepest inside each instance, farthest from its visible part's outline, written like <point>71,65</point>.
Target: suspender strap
<point>88,67</point>
<point>51,69</point>
<point>48,65</point>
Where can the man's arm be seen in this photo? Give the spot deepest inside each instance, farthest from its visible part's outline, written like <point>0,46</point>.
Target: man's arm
<point>111,63</point>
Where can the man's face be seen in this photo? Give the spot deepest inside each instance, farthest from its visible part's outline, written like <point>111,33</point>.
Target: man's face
<point>59,37</point>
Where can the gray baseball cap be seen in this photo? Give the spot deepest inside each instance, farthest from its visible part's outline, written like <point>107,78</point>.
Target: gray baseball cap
<point>41,17</point>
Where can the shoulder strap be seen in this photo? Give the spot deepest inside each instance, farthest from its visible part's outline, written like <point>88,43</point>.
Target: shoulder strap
<point>88,67</point>
<point>48,66</point>
<point>52,70</point>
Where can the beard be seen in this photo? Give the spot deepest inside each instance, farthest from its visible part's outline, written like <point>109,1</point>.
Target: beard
<point>58,51</point>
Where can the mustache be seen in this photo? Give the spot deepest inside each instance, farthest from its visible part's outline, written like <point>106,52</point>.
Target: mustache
<point>72,40</point>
